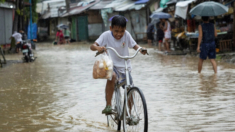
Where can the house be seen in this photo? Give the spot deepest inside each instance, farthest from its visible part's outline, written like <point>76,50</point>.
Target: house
<point>87,19</point>
<point>49,17</point>
<point>79,14</point>
<point>90,20</point>
<point>7,16</point>
<point>55,13</point>
<point>137,13</point>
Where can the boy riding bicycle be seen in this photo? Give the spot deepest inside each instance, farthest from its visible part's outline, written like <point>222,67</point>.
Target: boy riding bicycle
<point>119,39</point>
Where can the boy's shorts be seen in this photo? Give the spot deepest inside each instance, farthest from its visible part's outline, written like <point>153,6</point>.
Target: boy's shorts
<point>207,49</point>
<point>121,77</point>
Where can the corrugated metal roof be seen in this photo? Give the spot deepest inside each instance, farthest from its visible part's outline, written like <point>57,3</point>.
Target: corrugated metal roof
<point>54,5</point>
<point>46,15</point>
<point>141,1</point>
<point>123,5</point>
<point>7,5</point>
<point>114,4</point>
<point>101,5</point>
<point>79,9</point>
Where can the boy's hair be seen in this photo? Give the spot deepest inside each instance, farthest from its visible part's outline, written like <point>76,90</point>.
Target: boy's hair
<point>119,21</point>
<point>205,18</point>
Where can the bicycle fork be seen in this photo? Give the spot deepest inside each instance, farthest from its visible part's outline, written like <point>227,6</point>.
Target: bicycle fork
<point>127,86</point>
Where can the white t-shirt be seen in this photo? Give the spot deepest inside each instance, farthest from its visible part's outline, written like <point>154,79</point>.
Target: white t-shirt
<point>121,46</point>
<point>17,36</point>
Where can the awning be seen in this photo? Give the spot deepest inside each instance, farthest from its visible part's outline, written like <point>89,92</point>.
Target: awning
<point>114,4</point>
<point>79,9</point>
<point>124,5</point>
<point>184,3</point>
<point>163,3</point>
<point>182,8</point>
<point>173,2</point>
<point>100,5</point>
<point>141,1</point>
<point>159,10</point>
<point>46,15</point>
<point>7,5</point>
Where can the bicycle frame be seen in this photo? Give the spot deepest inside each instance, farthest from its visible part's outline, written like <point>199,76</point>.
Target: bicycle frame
<point>128,85</point>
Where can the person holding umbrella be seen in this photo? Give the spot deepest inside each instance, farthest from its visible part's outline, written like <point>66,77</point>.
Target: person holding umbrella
<point>207,31</point>
<point>166,28</point>
<point>59,37</point>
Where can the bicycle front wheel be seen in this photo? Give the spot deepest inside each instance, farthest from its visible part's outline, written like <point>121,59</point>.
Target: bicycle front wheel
<point>137,121</point>
<point>113,119</point>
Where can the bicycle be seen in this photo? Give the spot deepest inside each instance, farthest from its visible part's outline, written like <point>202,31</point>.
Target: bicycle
<point>126,109</point>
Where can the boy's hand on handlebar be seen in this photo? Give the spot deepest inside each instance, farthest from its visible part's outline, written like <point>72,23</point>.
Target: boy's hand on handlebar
<point>101,49</point>
<point>144,51</point>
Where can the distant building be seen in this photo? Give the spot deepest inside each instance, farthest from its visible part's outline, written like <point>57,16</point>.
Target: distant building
<point>6,21</point>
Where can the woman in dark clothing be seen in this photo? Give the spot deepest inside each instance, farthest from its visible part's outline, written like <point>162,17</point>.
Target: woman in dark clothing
<point>206,43</point>
<point>150,29</point>
<point>160,35</point>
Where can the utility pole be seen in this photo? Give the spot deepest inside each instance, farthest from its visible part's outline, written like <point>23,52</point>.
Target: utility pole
<point>15,22</point>
<point>30,2</point>
<point>67,5</point>
<point>233,26</point>
<point>31,33</point>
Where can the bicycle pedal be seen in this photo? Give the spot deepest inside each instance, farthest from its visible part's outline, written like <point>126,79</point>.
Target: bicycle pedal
<point>108,114</point>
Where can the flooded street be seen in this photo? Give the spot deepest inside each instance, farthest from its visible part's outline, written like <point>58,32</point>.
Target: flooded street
<point>57,92</point>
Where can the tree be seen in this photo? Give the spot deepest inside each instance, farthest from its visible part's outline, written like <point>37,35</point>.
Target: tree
<point>22,14</point>
<point>17,12</point>
<point>34,13</point>
<point>1,1</point>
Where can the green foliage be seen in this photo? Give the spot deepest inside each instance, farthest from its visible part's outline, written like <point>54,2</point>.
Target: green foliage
<point>18,11</point>
<point>34,13</point>
<point>1,1</point>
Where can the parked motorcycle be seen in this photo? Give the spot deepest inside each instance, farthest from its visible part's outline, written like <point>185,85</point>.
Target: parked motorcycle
<point>27,51</point>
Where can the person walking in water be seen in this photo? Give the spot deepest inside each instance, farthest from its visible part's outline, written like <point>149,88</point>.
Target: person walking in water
<point>150,30</point>
<point>167,34</point>
<point>67,35</point>
<point>206,43</point>
<point>160,35</point>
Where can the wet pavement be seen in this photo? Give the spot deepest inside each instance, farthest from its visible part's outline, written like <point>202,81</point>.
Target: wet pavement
<point>57,93</point>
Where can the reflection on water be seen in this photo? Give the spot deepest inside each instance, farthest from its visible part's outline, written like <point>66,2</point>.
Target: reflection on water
<point>57,92</point>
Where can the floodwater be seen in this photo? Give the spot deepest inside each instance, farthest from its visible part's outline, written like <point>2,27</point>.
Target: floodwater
<point>57,93</point>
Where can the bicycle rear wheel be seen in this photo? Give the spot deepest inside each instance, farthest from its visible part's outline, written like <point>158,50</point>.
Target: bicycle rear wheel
<point>113,119</point>
<point>136,105</point>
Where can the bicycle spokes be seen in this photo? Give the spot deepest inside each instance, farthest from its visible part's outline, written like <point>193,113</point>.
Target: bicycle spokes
<point>137,120</point>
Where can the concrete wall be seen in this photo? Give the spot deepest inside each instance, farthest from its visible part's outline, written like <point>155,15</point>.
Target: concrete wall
<point>63,20</point>
<point>139,23</point>
<point>95,30</point>
<point>95,24</point>
<point>53,29</point>
<point>6,23</point>
<point>138,20</point>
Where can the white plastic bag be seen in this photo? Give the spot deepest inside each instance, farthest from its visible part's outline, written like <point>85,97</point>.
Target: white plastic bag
<point>103,67</point>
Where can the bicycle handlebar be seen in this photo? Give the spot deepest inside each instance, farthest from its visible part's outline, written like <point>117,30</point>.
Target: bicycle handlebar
<point>122,57</point>
<point>125,57</point>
